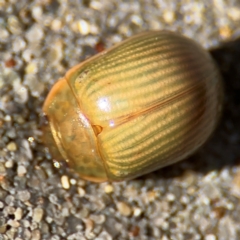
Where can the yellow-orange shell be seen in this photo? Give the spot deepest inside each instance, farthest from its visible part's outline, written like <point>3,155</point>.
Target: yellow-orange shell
<point>148,102</point>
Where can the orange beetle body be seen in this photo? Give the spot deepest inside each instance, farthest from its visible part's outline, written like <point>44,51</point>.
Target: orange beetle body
<point>147,102</point>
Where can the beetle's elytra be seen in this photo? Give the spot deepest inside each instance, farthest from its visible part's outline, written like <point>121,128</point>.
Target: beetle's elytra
<point>147,102</point>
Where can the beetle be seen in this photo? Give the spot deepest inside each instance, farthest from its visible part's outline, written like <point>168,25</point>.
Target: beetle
<point>147,102</point>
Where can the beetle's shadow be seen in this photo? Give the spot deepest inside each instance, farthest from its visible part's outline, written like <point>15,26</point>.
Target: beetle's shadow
<point>223,148</point>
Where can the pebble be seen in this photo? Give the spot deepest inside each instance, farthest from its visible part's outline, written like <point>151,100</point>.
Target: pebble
<point>170,197</point>
<point>19,44</point>
<point>227,229</point>
<point>83,27</point>
<point>3,34</point>
<point>24,195</point>
<point>2,170</point>
<point>13,223</point>
<point>36,87</point>
<point>168,16</point>
<point>35,33</point>
<point>56,25</point>
<point>81,192</point>
<point>124,209</point>
<point>210,237</point>
<point>12,146</point>
<point>37,12</point>
<point>31,68</point>
<point>21,171</point>
<point>65,182</point>
<point>36,235</point>
<point>98,219</point>
<point>108,188</point>
<point>18,214</point>
<point>14,25</point>
<point>137,212</point>
<point>37,214</point>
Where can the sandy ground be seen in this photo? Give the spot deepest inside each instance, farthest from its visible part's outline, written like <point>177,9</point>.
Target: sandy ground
<point>195,199</point>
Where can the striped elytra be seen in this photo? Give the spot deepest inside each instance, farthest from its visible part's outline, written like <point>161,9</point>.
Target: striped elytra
<point>145,103</point>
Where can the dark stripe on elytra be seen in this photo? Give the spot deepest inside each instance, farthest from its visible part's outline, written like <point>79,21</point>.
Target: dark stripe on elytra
<point>125,139</point>
<point>165,77</point>
<point>123,62</point>
<point>143,84</point>
<point>156,52</point>
<point>153,131</point>
<point>111,138</point>
<point>140,45</point>
<point>121,58</point>
<point>143,161</point>
<point>204,123</point>
<point>90,90</point>
<point>177,147</point>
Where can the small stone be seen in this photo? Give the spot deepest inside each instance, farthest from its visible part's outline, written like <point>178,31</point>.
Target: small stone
<point>26,223</point>
<point>234,13</point>
<point>3,33</point>
<point>37,214</point>
<point>137,212</point>
<point>18,44</point>
<point>21,171</point>
<point>65,182</point>
<point>98,219</point>
<point>56,25</point>
<point>171,197</point>
<point>26,148</point>
<point>108,188</point>
<point>225,32</point>
<point>2,170</point>
<point>73,181</point>
<point>36,235</point>
<point>65,212</point>
<point>151,196</point>
<point>56,52</point>
<point>19,119</point>
<point>184,199</point>
<point>137,20</point>
<point>81,192</point>
<point>18,214</point>
<point>211,191</point>
<point>26,234</point>
<point>12,146</point>
<point>36,87</point>
<point>14,25</point>
<point>37,12</point>
<point>83,27</point>
<point>227,229</point>
<point>168,16</point>
<point>3,228</point>
<point>104,236</point>
<point>8,118</point>
<point>89,226</point>
<point>124,209</point>
<point>31,68</point>
<point>11,133</point>
<point>83,213</point>
<point>210,237</point>
<point>24,195</point>
<point>9,200</point>
<point>13,223</point>
<point>35,33</point>
<point>134,231</point>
